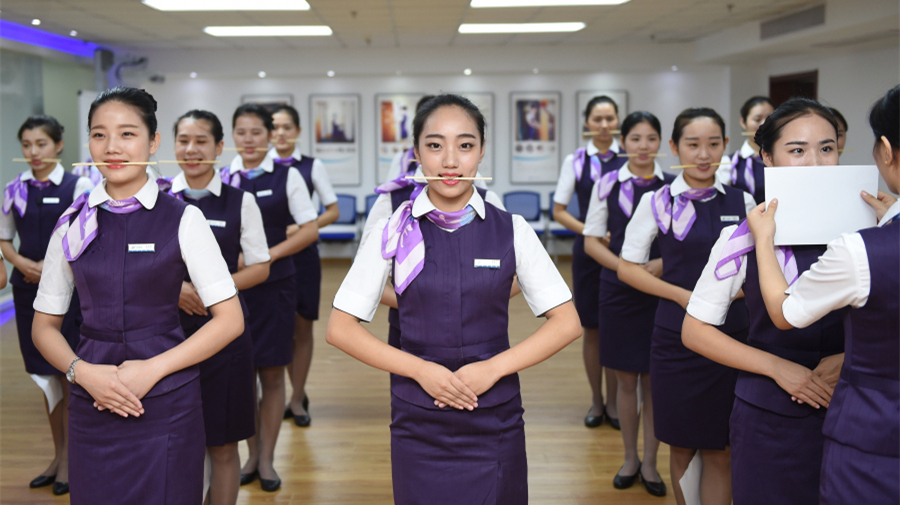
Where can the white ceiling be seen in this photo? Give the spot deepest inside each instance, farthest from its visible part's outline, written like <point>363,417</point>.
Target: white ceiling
<point>391,23</point>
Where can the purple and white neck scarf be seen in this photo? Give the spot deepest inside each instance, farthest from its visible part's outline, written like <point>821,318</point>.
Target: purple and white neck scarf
<point>748,171</point>
<point>400,183</point>
<point>578,162</point>
<point>402,240</point>
<point>234,178</point>
<point>165,185</point>
<point>626,189</point>
<point>84,228</point>
<point>740,243</point>
<point>89,171</point>
<point>680,216</point>
<point>16,193</point>
<point>285,161</point>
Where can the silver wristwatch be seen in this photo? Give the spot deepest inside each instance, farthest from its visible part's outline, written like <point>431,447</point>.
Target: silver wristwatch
<point>70,374</point>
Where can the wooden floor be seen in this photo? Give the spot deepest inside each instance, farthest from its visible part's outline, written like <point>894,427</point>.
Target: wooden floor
<point>344,457</point>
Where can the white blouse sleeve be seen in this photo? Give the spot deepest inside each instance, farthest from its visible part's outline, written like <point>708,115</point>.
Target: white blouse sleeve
<point>253,235</point>
<point>322,184</point>
<point>840,278</point>
<point>640,232</point>
<point>494,199</point>
<point>597,220</point>
<point>57,282</point>
<point>723,173</point>
<point>83,185</point>
<point>541,283</point>
<point>749,202</point>
<point>712,297</point>
<point>299,203</point>
<point>203,258</point>
<point>360,293</point>
<point>565,186</point>
<point>8,225</point>
<point>381,209</point>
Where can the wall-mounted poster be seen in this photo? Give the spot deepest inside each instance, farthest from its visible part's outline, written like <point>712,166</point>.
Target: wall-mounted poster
<point>335,136</point>
<point>485,103</point>
<point>269,101</point>
<point>583,97</point>
<point>535,136</point>
<point>394,123</point>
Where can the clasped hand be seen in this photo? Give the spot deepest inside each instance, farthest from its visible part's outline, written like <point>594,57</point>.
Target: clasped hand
<point>458,389</point>
<point>120,388</point>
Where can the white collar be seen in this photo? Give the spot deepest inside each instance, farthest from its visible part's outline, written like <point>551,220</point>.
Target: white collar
<point>237,164</point>
<point>625,173</point>
<point>56,176</point>
<point>679,185</point>
<point>179,183</point>
<point>146,195</point>
<point>592,149</point>
<point>747,151</point>
<point>890,213</point>
<point>423,204</point>
<point>273,153</point>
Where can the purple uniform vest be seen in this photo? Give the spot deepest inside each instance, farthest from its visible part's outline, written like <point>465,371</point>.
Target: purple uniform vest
<point>43,210</point>
<point>270,190</point>
<point>865,408</point>
<point>805,346</point>
<point>683,261</point>
<point>304,165</point>
<point>455,314</point>
<point>618,221</point>
<point>759,177</point>
<point>129,300</point>
<point>585,186</point>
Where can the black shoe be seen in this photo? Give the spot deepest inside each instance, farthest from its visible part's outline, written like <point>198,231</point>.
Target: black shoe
<point>305,402</point>
<point>614,423</point>
<point>593,421</point>
<point>654,488</point>
<point>247,478</point>
<point>288,413</point>
<point>60,488</point>
<point>42,481</point>
<point>626,481</point>
<point>270,486</point>
<point>302,421</point>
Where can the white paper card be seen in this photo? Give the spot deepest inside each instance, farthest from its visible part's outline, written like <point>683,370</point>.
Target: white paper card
<point>690,481</point>
<point>51,385</point>
<point>817,204</point>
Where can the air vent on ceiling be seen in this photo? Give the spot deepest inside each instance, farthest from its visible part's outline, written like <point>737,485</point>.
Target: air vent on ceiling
<point>791,23</point>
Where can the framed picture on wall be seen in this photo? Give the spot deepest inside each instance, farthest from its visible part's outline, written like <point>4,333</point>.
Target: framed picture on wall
<point>334,120</point>
<point>583,97</point>
<point>394,115</point>
<point>534,149</point>
<point>269,101</point>
<point>485,102</point>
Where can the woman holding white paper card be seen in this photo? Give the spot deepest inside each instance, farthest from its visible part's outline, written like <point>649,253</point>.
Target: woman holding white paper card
<point>776,443</point>
<point>747,168</point>
<point>858,274</point>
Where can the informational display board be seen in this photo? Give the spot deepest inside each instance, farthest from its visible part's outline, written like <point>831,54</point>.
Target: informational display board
<point>393,130</point>
<point>334,120</point>
<point>535,144</point>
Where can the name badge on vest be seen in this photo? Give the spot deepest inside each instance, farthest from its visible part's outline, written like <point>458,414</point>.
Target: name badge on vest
<point>265,192</point>
<point>141,248</point>
<point>51,199</point>
<point>216,224</point>
<point>729,219</point>
<point>480,263</point>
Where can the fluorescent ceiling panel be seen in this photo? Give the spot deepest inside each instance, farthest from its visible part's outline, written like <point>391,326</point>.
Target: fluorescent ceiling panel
<point>228,5</point>
<point>541,3</point>
<point>268,31</point>
<point>520,27</point>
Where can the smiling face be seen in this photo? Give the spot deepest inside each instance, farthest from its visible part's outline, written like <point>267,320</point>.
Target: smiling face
<point>37,145</point>
<point>602,119</point>
<point>118,134</point>
<point>642,140</point>
<point>807,140</point>
<point>195,142</point>
<point>701,144</point>
<point>450,146</point>
<point>285,130</point>
<point>251,136</point>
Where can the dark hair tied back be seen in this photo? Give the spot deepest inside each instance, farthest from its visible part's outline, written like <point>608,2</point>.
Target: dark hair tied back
<point>753,102</point>
<point>447,100</point>
<point>638,117</point>
<point>840,117</point>
<point>215,125</point>
<point>688,116</point>
<point>884,118</point>
<point>252,109</point>
<point>295,116</point>
<point>770,131</point>
<point>141,101</point>
<point>597,100</point>
<point>48,124</point>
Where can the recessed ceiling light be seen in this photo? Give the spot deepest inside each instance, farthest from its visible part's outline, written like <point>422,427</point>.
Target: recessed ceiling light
<point>193,75</point>
<point>35,21</point>
<point>467,71</point>
<point>73,33</point>
<point>262,74</point>
<point>541,3</point>
<point>227,5</point>
<point>268,31</point>
<point>534,70</point>
<point>520,27</point>
<point>674,68</point>
<point>330,73</point>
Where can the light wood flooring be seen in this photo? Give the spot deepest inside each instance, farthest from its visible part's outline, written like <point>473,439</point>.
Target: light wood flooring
<point>344,457</point>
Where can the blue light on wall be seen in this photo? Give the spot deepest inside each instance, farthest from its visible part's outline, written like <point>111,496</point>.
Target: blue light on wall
<point>40,38</point>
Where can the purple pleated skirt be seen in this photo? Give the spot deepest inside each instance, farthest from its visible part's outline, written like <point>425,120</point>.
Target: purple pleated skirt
<point>851,476</point>
<point>626,324</point>
<point>585,284</point>
<point>692,395</point>
<point>152,459</point>
<point>309,282</point>
<point>23,301</point>
<point>458,457</point>
<point>775,459</point>
<point>272,306</point>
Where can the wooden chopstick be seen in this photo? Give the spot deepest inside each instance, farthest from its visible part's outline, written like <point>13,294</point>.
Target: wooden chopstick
<point>748,134</point>
<point>450,178</point>
<point>87,164</point>
<point>258,149</point>
<point>695,165</point>
<point>654,155</point>
<point>591,134</point>
<point>28,160</point>
<point>201,162</point>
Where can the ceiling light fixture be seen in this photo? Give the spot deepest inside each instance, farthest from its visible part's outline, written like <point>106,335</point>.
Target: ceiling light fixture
<point>476,4</point>
<point>36,22</point>
<point>227,5</point>
<point>467,71</point>
<point>268,31</point>
<point>674,68</point>
<point>520,27</point>
<point>535,71</point>
<point>330,73</point>
<point>73,33</point>
<point>262,74</point>
<point>193,75</point>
